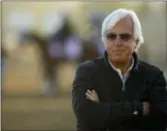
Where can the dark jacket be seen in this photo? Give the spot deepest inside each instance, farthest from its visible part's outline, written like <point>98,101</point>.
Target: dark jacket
<point>146,83</point>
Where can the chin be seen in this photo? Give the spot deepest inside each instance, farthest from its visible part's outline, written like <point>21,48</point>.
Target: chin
<point>118,59</point>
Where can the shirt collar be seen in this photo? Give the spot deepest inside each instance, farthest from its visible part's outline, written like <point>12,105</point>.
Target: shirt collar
<point>119,71</point>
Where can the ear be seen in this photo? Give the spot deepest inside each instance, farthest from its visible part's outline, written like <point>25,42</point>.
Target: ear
<point>136,43</point>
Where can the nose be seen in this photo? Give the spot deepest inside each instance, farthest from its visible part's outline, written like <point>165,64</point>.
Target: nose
<point>118,40</point>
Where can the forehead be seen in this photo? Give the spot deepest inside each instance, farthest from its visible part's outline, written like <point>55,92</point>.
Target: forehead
<point>125,25</point>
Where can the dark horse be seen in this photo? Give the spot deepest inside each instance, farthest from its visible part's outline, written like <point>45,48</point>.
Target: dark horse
<point>63,45</point>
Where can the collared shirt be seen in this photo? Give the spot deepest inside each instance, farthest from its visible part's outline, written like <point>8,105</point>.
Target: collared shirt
<point>125,75</point>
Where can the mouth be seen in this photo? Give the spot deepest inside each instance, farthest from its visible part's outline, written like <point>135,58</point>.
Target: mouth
<point>118,52</point>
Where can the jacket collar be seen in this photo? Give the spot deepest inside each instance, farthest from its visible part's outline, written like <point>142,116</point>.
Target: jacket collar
<point>135,58</point>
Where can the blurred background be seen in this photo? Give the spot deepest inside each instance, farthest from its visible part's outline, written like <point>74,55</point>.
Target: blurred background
<point>42,44</point>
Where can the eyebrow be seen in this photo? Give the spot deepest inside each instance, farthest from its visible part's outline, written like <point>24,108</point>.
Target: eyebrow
<point>111,32</point>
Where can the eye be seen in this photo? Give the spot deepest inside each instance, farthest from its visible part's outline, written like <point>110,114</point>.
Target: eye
<point>111,36</point>
<point>125,36</point>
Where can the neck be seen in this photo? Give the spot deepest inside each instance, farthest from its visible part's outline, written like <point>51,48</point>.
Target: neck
<point>123,66</point>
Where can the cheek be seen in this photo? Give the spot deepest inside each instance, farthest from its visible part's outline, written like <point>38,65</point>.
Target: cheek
<point>108,45</point>
<point>130,46</point>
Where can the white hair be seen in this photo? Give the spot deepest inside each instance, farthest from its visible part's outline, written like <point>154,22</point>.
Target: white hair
<point>111,20</point>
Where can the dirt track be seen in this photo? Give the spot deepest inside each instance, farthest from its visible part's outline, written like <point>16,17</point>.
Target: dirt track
<point>23,107</point>
<point>37,113</point>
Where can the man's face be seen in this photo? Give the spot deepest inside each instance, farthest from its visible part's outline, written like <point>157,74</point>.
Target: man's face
<point>120,43</point>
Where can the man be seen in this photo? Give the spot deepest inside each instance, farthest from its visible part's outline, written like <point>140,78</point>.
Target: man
<point>118,91</point>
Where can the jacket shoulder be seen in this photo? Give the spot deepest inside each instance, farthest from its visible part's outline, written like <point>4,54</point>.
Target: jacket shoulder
<point>149,69</point>
<point>91,64</point>
<point>86,69</point>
